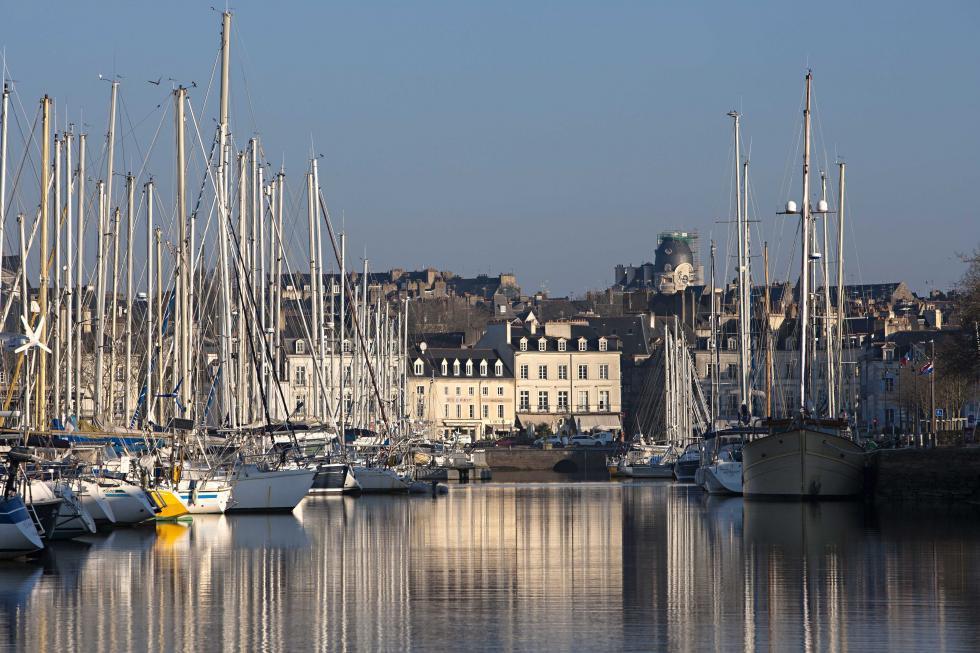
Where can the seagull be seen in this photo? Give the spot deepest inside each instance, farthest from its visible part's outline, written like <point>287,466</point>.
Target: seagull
<point>155,83</point>
<point>193,84</point>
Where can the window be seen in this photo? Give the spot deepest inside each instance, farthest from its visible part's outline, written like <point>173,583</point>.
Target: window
<point>485,390</point>
<point>470,390</point>
<point>562,345</point>
<point>500,391</point>
<point>603,344</point>
<point>300,375</point>
<point>888,354</point>
<point>458,391</point>
<point>469,368</point>
<point>459,411</point>
<point>523,344</point>
<point>543,400</point>
<point>445,390</point>
<point>498,368</point>
<point>472,408</point>
<point>889,384</point>
<point>583,400</point>
<point>525,400</point>
<point>300,346</point>
<point>732,404</point>
<point>347,346</point>
<point>420,390</point>
<point>445,411</point>
<point>604,371</point>
<point>563,400</point>
<point>301,404</point>
<point>583,371</point>
<point>483,368</point>
<point>419,368</point>
<point>486,411</point>
<point>523,371</point>
<point>563,372</point>
<point>732,370</point>
<point>542,371</point>
<point>603,400</point>
<point>709,370</point>
<point>456,368</point>
<point>542,345</point>
<point>889,416</point>
<point>445,368</point>
<point>581,344</point>
<point>732,344</point>
<point>500,411</point>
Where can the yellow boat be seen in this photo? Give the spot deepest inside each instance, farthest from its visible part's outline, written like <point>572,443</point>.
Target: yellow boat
<point>169,504</point>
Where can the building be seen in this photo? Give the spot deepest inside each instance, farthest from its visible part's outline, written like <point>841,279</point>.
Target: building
<point>567,376</point>
<point>469,392</point>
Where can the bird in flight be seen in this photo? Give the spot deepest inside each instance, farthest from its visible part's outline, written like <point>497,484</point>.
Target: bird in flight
<point>155,83</point>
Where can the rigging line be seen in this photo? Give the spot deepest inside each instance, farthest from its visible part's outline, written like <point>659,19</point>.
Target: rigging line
<point>20,169</point>
<point>240,40</point>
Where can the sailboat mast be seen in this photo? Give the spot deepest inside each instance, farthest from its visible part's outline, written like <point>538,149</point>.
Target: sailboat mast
<point>150,395</point>
<point>182,322</point>
<point>68,328</point>
<point>226,368</point>
<point>840,276</point>
<point>130,224</point>
<point>4,104</point>
<point>100,304</point>
<point>80,296</point>
<point>828,328</point>
<point>343,338</point>
<point>805,251</point>
<point>42,421</point>
<point>56,315</point>
<point>744,351</point>
<point>714,342</point>
<point>768,309</point>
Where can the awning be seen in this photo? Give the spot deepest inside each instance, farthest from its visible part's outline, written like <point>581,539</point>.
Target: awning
<point>600,422</point>
<point>533,421</point>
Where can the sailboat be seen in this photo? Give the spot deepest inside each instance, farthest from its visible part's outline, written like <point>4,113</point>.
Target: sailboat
<point>804,456</point>
<point>18,533</point>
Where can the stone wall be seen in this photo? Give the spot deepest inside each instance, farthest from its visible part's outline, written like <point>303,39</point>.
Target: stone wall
<point>948,475</point>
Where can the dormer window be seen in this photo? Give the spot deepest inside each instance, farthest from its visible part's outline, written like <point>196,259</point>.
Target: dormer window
<point>523,344</point>
<point>732,344</point>
<point>542,345</point>
<point>581,344</point>
<point>456,368</point>
<point>300,346</point>
<point>469,368</point>
<point>347,346</point>
<point>419,368</point>
<point>445,368</point>
<point>562,345</point>
<point>603,344</point>
<point>483,368</point>
<point>498,368</point>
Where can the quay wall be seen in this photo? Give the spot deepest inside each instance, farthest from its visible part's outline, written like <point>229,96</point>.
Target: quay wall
<point>948,475</point>
<point>557,460</point>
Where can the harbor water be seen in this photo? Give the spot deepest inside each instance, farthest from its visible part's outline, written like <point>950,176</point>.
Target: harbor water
<point>533,567</point>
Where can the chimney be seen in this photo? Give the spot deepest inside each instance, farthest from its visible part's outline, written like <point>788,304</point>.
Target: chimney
<point>508,331</point>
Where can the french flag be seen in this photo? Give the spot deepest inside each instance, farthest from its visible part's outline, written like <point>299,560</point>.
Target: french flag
<point>926,369</point>
<point>906,359</point>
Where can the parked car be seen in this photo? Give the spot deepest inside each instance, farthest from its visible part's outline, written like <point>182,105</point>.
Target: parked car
<point>605,438</point>
<point>584,441</point>
<point>505,442</point>
<point>553,440</point>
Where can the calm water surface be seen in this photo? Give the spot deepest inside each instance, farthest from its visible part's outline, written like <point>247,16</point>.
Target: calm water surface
<point>563,567</point>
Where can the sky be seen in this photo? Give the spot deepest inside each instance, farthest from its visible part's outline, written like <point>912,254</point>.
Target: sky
<point>551,139</point>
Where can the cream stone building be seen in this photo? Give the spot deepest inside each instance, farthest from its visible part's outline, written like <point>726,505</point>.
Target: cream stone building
<point>566,376</point>
<point>465,392</point>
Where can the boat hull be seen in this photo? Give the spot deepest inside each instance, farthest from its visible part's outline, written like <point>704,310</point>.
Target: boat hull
<point>803,462</point>
<point>265,491</point>
<point>18,535</point>
<point>684,470</point>
<point>168,504</point>
<point>94,499</point>
<point>73,519</point>
<point>205,497</point>
<point>128,502</point>
<point>379,480</point>
<point>334,478</point>
<point>722,478</point>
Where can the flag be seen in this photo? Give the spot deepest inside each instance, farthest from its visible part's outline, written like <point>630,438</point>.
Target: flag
<point>906,359</point>
<point>926,369</point>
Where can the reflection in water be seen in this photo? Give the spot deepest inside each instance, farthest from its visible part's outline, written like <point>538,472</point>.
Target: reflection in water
<point>636,566</point>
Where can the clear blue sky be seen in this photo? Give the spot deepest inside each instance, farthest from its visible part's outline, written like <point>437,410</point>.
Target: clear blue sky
<point>555,139</point>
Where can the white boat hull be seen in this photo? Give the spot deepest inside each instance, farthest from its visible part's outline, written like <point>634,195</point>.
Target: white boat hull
<point>93,498</point>
<point>18,535</point>
<point>804,462</point>
<point>207,497</point>
<point>379,480</point>
<point>128,503</point>
<point>722,478</point>
<point>73,519</point>
<point>259,490</point>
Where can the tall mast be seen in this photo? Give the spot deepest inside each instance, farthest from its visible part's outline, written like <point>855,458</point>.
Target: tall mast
<point>68,309</point>
<point>277,297</point>
<point>148,406</point>
<point>744,349</point>
<point>100,304</point>
<point>714,342</point>
<point>827,328</point>
<point>161,363</point>
<point>805,251</point>
<point>324,402</point>
<point>343,338</point>
<point>183,321</point>
<point>110,144</point>
<point>42,421</point>
<point>25,303</point>
<point>4,104</point>
<point>130,222</point>
<point>226,367</point>
<point>840,276</point>
<point>113,309</point>
<point>768,335</point>
<point>80,296</point>
<point>242,267</point>
<point>56,316</point>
